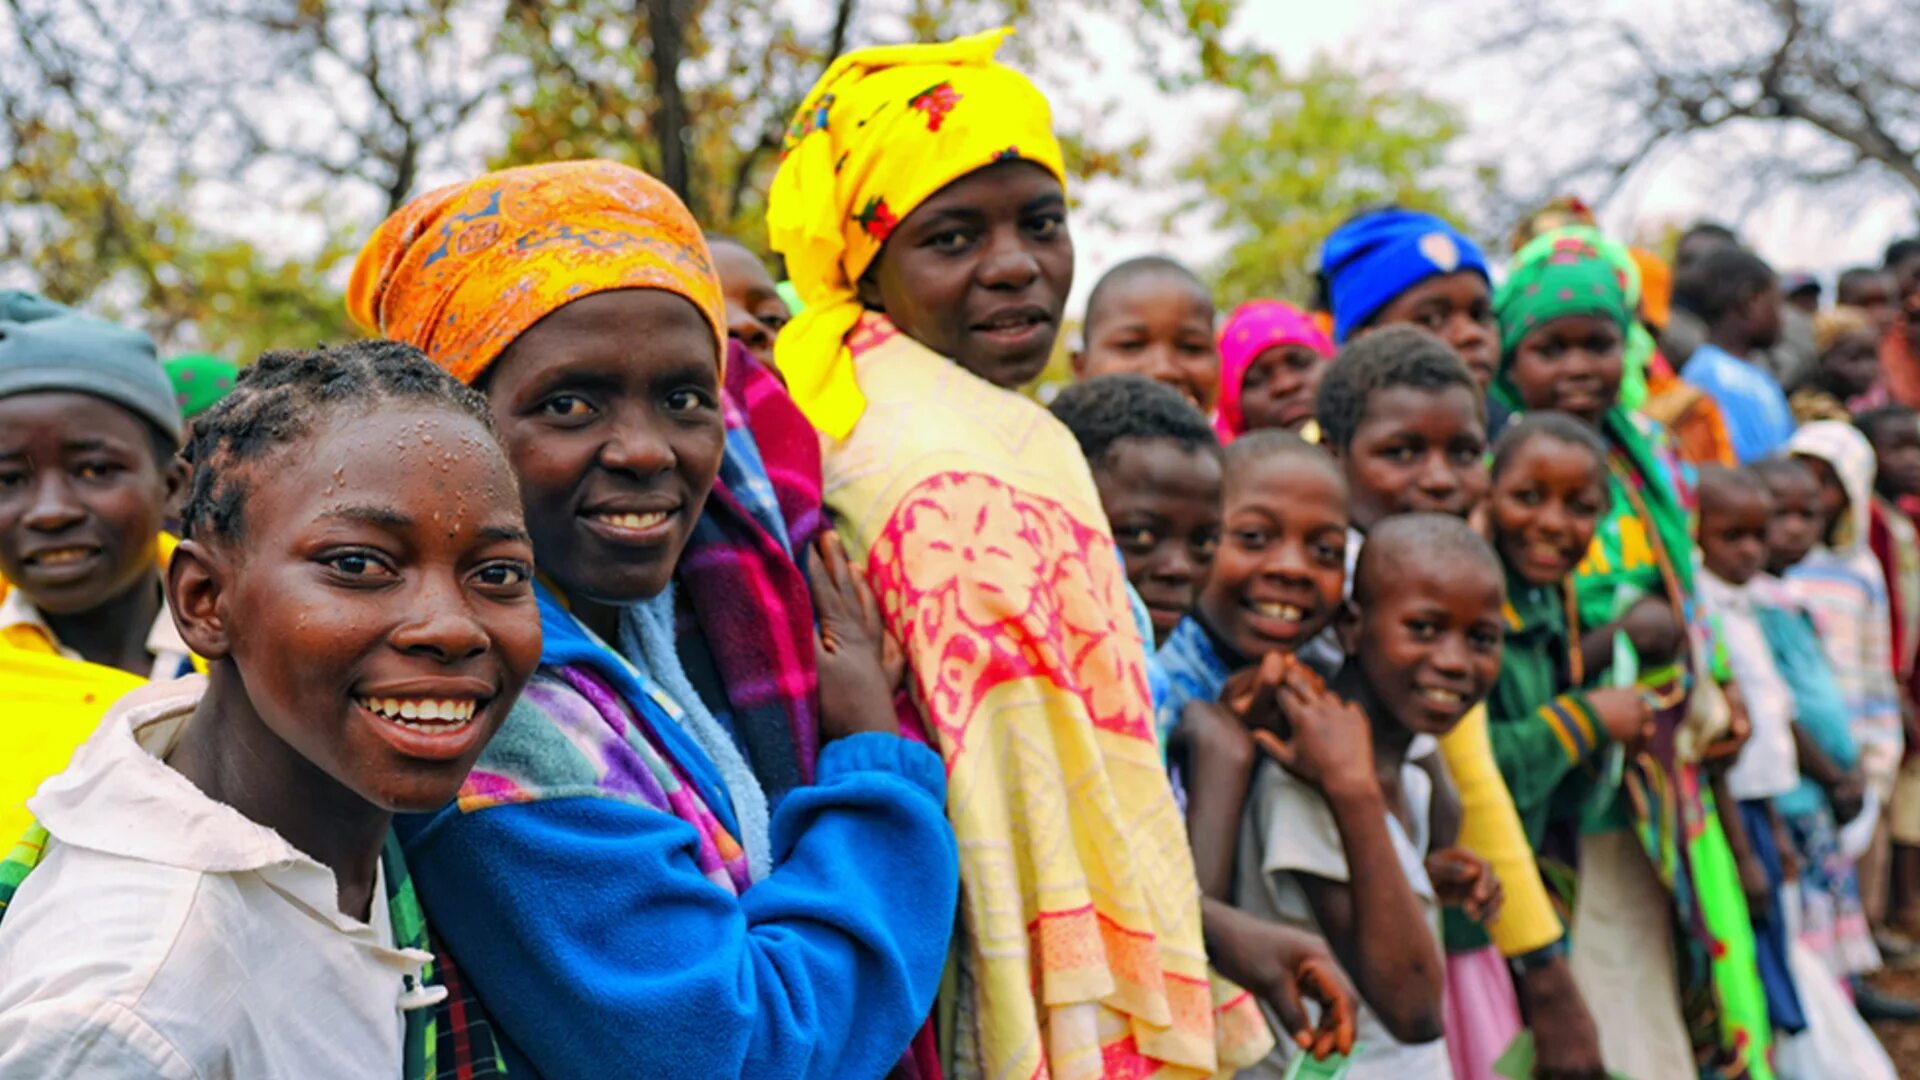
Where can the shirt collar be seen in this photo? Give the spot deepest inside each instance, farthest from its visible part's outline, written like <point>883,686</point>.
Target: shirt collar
<point>164,644</point>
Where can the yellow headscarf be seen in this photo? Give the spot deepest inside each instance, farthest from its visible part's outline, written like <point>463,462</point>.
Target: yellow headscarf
<point>883,129</point>
<point>462,271</point>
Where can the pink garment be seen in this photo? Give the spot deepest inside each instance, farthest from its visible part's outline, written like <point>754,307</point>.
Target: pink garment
<point>1253,328</point>
<point>1483,1014</point>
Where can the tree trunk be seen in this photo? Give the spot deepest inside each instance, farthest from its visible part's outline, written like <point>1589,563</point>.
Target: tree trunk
<point>670,116</point>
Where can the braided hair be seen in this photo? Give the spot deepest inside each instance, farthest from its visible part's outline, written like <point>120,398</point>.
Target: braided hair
<point>282,396</point>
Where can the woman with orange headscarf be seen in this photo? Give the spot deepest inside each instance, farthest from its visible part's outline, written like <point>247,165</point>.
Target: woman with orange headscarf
<point>922,213</point>
<point>611,884</point>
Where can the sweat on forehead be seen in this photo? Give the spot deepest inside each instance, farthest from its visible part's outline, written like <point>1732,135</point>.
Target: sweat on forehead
<point>282,397</point>
<point>1437,542</point>
<point>1268,446</point>
<point>1143,268</point>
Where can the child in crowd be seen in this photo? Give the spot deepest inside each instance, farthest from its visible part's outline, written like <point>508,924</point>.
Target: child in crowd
<point>88,434</point>
<point>211,896</point>
<point>1403,417</point>
<point>1735,508</point>
<point>1272,355</point>
<point>1841,585</point>
<point>1152,316</point>
<point>1894,433</point>
<point>1393,266</point>
<point>1339,835</point>
<point>1872,290</point>
<point>1738,297</point>
<point>755,311</point>
<point>1156,464</point>
<point>1846,372</point>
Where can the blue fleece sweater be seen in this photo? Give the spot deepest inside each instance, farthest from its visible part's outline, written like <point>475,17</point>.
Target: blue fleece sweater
<point>586,927</point>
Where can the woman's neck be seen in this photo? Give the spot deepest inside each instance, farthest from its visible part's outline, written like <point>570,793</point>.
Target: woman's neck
<point>114,634</point>
<point>233,757</point>
<point>602,619</point>
<point>1731,341</point>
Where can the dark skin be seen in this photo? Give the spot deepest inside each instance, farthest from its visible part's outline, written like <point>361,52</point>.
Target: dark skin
<point>980,272</point>
<point>385,559</point>
<point>1281,566</point>
<point>1795,526</point>
<point>1159,325</point>
<point>1282,967</point>
<point>1162,501</point>
<point>1850,366</point>
<point>1906,283</point>
<point>1896,454</point>
<point>83,496</point>
<point>1877,294</point>
<point>755,312</point>
<point>1832,495</point>
<point>1458,309</point>
<point>609,409</point>
<point>1572,364</point>
<point>1278,387</point>
<point>1416,451</point>
<point>1751,325</point>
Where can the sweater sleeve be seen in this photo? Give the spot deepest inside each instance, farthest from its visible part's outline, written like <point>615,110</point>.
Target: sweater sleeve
<point>1490,828</point>
<point>1535,752</point>
<point>600,949</point>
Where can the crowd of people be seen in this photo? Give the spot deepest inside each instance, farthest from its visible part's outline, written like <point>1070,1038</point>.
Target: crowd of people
<point>633,661</point>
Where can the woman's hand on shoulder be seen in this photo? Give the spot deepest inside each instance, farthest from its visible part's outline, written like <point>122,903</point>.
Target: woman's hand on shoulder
<point>859,664</point>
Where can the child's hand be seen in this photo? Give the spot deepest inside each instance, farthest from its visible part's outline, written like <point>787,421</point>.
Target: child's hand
<point>1720,754</point>
<point>1466,881</point>
<point>1566,1042</point>
<point>1623,711</point>
<point>1848,797</point>
<point>1656,633</point>
<point>1252,694</point>
<point>1285,968</point>
<point>1331,745</point>
<point>856,687</point>
<point>1753,882</point>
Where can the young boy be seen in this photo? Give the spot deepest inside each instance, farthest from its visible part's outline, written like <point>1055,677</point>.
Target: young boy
<point>1156,463</point>
<point>1738,296</point>
<point>1152,316</point>
<point>1872,290</point>
<point>755,311</point>
<point>1340,840</point>
<point>88,434</point>
<point>1735,508</point>
<point>1894,433</point>
<point>1846,369</point>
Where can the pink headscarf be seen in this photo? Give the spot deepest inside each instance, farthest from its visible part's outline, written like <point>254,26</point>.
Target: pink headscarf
<point>1253,328</point>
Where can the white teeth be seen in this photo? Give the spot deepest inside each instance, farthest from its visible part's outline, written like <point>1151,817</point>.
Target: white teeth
<point>635,521</point>
<point>1442,697</point>
<point>1285,612</point>
<point>61,556</point>
<point>435,713</point>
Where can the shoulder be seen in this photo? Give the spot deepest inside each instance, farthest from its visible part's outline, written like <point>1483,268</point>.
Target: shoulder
<point>77,1034</point>
<point>118,921</point>
<point>1295,824</point>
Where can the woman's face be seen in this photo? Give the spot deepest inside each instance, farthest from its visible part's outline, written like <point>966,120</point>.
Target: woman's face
<point>1278,388</point>
<point>1573,364</point>
<point>1458,309</point>
<point>980,272</point>
<point>610,412</point>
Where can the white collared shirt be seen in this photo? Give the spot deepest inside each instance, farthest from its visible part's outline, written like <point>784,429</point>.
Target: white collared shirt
<point>164,934</point>
<point>171,657</point>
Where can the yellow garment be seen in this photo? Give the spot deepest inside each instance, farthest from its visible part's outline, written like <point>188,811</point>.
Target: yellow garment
<point>976,520</point>
<point>1490,828</point>
<point>883,129</point>
<point>463,270</point>
<point>52,705</point>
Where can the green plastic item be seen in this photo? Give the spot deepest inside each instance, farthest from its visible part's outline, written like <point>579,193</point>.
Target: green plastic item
<point>1517,1062</point>
<point>1304,1067</point>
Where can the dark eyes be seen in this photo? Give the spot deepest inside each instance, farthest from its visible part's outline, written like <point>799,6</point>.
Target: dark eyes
<point>357,564</point>
<point>504,575</point>
<point>1047,226</point>
<point>568,406</point>
<point>688,399</point>
<point>951,241</point>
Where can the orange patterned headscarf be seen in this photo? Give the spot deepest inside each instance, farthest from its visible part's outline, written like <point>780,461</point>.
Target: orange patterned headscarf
<point>462,271</point>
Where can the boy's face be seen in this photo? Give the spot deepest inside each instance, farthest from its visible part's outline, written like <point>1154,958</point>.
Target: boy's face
<point>1428,640</point>
<point>610,412</point>
<point>1896,452</point>
<point>82,499</point>
<point>1572,364</point>
<point>1159,325</point>
<point>1850,366</point>
<point>980,272</point>
<point>1832,498</point>
<point>1545,506</point>
<point>1278,388</point>
<point>1794,528</point>
<point>755,312</point>
<point>379,607</point>
<point>1734,527</point>
<point>1457,308</point>
<point>1163,501</point>
<point>1417,450</point>
<point>1878,295</point>
<point>1282,565</point>
<point>1763,316</point>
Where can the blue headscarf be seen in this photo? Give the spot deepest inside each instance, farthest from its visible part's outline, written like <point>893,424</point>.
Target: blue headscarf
<point>1374,258</point>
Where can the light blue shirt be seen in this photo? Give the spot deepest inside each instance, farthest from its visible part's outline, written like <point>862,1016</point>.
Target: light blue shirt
<point>1750,400</point>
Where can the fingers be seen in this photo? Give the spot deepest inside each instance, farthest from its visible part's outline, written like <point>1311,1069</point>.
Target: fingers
<point>1270,744</point>
<point>1319,982</point>
<point>1284,999</point>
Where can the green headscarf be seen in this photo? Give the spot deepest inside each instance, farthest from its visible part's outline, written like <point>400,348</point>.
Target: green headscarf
<point>1640,344</point>
<point>200,380</point>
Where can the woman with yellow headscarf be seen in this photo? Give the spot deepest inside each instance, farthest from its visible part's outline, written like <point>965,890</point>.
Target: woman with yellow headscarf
<point>661,865</point>
<point>922,213</point>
